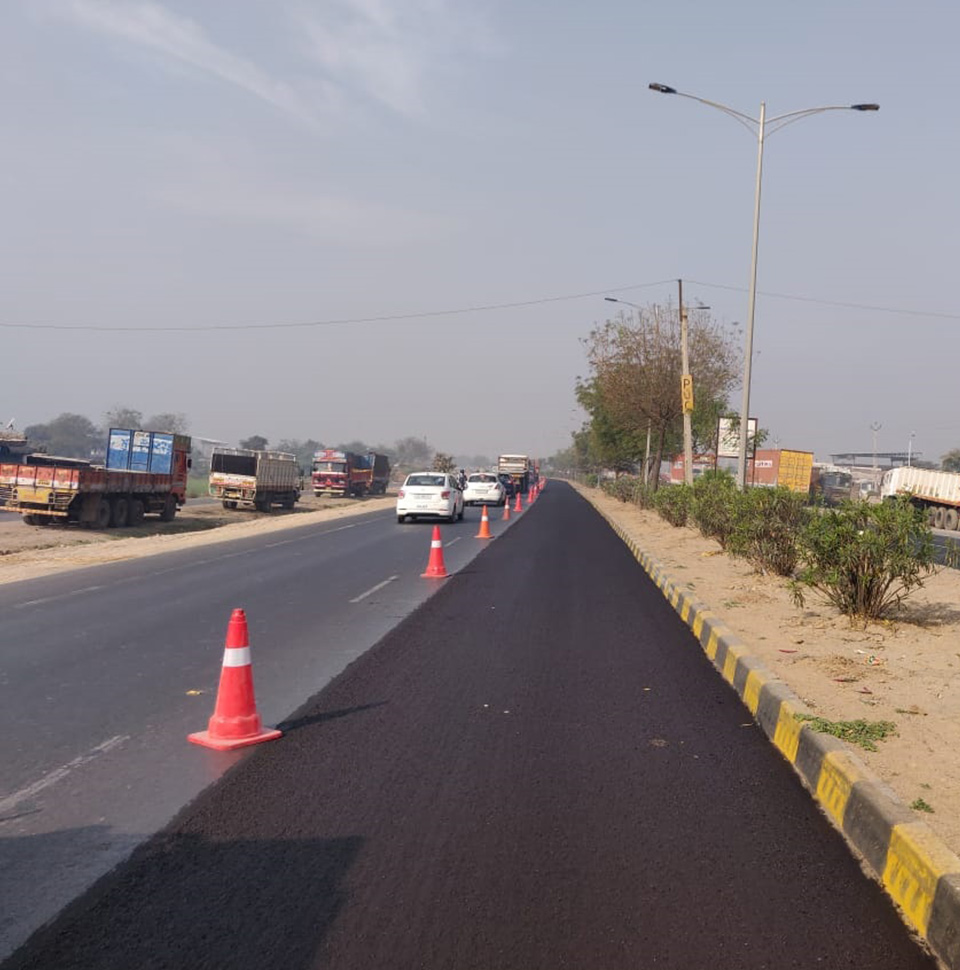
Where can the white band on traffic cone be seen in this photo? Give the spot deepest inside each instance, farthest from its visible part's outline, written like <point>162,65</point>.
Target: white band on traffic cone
<point>236,657</point>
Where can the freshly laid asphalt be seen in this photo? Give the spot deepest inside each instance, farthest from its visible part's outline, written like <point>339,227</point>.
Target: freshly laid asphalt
<point>536,769</point>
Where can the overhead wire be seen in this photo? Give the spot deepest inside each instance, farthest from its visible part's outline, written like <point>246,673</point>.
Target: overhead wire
<point>478,308</point>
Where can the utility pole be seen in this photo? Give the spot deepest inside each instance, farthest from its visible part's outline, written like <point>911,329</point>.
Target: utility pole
<point>875,427</point>
<point>686,393</point>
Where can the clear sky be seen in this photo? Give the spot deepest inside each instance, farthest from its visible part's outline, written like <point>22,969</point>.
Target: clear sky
<point>213,164</point>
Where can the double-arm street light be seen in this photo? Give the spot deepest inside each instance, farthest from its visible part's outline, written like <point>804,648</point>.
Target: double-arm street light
<point>763,127</point>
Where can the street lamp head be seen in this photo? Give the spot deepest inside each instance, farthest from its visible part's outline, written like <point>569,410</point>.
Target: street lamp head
<point>662,88</point>
<point>864,107</point>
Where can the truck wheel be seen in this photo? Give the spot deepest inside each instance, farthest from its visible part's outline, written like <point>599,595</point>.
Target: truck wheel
<point>401,519</point>
<point>169,510</point>
<point>938,517</point>
<point>102,518</point>
<point>135,512</point>
<point>30,519</point>
<point>119,512</point>
<point>229,503</point>
<point>951,518</point>
<point>262,505</point>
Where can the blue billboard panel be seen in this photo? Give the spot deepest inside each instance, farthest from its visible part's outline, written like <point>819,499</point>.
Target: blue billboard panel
<point>118,449</point>
<point>161,458</point>
<point>140,451</point>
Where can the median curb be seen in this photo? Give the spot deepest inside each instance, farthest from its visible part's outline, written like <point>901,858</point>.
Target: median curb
<point>917,870</point>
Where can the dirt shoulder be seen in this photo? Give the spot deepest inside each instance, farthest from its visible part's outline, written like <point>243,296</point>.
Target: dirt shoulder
<point>906,671</point>
<point>27,552</point>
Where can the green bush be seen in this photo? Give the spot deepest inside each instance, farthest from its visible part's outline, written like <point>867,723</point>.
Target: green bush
<point>865,558</point>
<point>766,526</point>
<point>630,488</point>
<point>672,502</point>
<point>714,505</point>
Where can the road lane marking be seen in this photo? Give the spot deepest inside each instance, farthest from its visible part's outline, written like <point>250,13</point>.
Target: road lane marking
<point>452,541</point>
<point>51,778</point>
<point>373,589</point>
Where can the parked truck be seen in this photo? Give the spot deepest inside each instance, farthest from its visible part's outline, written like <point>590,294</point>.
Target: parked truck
<point>261,479</point>
<point>341,473</point>
<point>145,472</point>
<point>381,473</point>
<point>518,468</point>
<point>937,493</point>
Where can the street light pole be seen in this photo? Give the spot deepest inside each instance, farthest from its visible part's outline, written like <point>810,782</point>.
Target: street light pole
<point>762,127</point>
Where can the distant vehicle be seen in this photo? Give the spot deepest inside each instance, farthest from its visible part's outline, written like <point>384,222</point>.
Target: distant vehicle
<point>381,473</point>
<point>484,488</point>
<point>518,467</point>
<point>832,487</point>
<point>508,486</point>
<point>342,473</point>
<point>145,471</point>
<point>261,479</point>
<point>433,495</point>
<point>937,493</point>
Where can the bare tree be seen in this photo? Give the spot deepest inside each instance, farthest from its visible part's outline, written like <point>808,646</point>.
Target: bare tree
<point>123,417</point>
<point>168,421</point>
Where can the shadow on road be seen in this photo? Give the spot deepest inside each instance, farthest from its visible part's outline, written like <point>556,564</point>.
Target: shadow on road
<point>189,900</point>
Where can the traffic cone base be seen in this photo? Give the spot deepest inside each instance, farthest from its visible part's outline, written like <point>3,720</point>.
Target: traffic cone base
<point>206,739</point>
<point>436,569</point>
<point>484,532</point>
<point>235,722</point>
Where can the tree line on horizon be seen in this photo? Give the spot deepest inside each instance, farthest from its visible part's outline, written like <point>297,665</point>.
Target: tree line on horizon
<point>76,436</point>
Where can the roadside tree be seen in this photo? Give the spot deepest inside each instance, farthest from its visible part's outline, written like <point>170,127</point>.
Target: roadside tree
<point>69,435</point>
<point>634,385</point>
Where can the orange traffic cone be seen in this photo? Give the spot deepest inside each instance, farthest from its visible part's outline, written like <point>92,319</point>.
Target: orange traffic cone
<point>506,510</point>
<point>235,722</point>
<point>435,566</point>
<point>484,532</point>
<point>518,507</point>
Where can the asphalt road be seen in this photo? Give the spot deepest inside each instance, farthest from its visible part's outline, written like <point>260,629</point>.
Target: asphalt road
<point>538,768</point>
<point>104,671</point>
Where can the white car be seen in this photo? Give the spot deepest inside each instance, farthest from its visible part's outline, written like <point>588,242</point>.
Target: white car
<point>484,488</point>
<point>433,495</point>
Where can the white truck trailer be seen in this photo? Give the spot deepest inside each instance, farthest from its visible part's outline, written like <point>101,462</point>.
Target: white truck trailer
<point>239,476</point>
<point>938,493</point>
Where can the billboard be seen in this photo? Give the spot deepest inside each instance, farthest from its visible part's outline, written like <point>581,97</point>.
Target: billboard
<point>728,438</point>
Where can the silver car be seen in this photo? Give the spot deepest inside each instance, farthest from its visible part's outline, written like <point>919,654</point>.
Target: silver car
<point>429,495</point>
<point>484,488</point>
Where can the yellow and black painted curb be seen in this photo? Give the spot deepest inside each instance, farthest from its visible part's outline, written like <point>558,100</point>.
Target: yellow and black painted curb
<point>914,866</point>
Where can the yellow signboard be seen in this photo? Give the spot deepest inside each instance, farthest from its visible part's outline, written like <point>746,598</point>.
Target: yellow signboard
<point>686,393</point>
<point>796,468</point>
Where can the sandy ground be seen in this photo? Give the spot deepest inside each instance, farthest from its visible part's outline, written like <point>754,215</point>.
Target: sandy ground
<point>906,671</point>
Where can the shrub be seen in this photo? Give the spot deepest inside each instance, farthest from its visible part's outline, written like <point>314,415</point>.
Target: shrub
<point>766,526</point>
<point>672,502</point>
<point>865,558</point>
<point>713,505</point>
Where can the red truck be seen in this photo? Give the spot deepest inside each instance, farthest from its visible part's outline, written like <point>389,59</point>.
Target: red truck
<point>146,471</point>
<point>341,473</point>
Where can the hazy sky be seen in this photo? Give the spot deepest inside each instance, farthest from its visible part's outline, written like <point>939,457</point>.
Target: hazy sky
<point>212,164</point>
